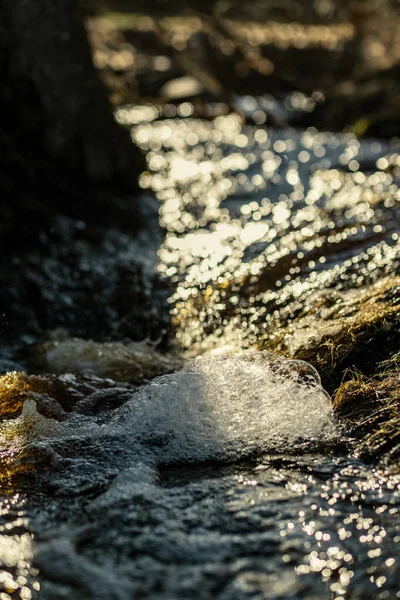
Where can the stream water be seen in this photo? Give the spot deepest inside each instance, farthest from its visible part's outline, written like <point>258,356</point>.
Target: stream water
<point>231,478</point>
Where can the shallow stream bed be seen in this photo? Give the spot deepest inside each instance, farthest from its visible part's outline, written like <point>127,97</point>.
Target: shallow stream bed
<point>234,477</point>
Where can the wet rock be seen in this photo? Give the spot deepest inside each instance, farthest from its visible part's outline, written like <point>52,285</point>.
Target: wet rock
<point>103,400</point>
<point>360,330</point>
<point>133,362</point>
<point>57,396</point>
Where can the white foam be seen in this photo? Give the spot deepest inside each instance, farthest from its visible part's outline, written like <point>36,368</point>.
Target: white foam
<point>228,406</point>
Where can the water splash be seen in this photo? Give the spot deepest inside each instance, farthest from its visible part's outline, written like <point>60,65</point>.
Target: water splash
<point>227,407</point>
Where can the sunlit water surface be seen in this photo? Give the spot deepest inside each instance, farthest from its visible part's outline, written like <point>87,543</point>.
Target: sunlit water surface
<point>231,478</point>
<point>260,221</point>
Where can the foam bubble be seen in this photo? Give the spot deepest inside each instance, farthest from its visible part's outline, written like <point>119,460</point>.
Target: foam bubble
<point>227,407</point>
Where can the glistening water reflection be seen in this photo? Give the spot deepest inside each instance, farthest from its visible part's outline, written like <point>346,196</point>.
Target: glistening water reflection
<point>263,225</point>
<point>275,239</point>
<point>17,576</point>
<point>291,527</point>
<point>127,506</point>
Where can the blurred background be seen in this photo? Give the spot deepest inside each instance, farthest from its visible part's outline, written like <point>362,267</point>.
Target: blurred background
<point>333,64</point>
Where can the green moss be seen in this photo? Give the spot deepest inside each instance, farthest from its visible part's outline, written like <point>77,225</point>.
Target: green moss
<point>357,331</point>
<point>371,406</point>
<point>360,342</point>
<point>357,353</point>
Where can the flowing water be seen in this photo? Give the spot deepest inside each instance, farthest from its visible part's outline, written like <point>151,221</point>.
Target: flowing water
<point>231,477</point>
